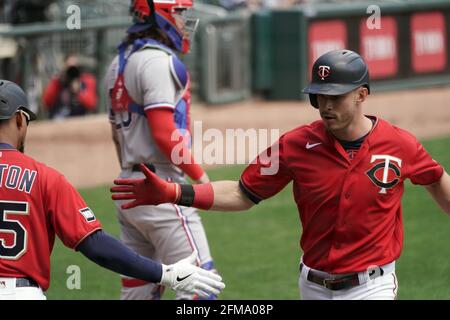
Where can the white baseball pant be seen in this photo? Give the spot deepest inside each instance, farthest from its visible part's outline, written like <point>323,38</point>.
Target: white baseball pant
<point>383,287</point>
<point>9,291</point>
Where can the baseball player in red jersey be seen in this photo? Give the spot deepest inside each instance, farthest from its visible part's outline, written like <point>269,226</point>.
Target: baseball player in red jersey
<point>37,203</point>
<point>148,102</point>
<point>348,171</point>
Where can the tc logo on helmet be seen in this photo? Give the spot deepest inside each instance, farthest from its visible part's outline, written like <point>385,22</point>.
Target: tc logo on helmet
<point>323,72</point>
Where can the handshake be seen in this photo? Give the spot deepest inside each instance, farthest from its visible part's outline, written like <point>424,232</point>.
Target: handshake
<point>182,276</point>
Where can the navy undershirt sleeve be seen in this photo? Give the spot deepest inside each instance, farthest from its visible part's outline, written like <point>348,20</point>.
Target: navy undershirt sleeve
<point>110,253</point>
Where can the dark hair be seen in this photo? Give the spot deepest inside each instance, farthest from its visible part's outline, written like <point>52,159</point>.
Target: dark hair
<point>152,33</point>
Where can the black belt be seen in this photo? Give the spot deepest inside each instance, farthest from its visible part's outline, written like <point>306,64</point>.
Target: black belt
<point>26,282</point>
<point>345,282</point>
<point>148,165</point>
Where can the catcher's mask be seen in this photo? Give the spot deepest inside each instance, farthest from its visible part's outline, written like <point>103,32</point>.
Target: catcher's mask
<point>335,73</point>
<point>170,16</point>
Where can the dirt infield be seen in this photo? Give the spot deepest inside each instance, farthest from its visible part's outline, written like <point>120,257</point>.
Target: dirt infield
<point>82,149</point>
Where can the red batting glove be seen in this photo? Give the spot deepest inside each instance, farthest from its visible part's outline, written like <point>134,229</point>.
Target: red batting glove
<point>149,191</point>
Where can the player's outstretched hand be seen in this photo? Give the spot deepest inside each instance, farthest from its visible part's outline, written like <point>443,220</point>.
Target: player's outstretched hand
<point>185,277</point>
<point>149,191</point>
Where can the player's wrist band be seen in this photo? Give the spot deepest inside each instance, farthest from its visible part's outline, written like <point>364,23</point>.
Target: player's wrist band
<point>199,196</point>
<point>187,195</point>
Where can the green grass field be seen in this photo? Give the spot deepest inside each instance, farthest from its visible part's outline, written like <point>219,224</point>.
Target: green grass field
<point>257,251</point>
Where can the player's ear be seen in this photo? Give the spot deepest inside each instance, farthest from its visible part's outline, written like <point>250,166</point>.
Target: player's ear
<point>18,117</point>
<point>20,122</point>
<point>362,94</point>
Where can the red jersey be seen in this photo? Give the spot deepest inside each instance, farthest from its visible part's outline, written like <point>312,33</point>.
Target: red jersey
<point>350,209</point>
<point>37,202</point>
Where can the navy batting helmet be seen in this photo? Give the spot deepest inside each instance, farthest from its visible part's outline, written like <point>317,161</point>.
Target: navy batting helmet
<point>337,72</point>
<point>12,98</point>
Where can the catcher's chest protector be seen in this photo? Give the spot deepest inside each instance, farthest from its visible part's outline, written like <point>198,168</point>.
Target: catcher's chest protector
<point>121,100</point>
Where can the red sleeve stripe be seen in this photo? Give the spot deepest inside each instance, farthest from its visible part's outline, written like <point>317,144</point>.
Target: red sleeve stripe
<point>159,105</point>
<point>133,283</point>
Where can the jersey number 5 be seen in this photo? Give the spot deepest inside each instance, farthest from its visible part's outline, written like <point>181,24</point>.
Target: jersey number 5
<point>10,226</point>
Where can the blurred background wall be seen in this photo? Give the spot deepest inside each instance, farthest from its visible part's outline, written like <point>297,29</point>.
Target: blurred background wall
<point>242,48</point>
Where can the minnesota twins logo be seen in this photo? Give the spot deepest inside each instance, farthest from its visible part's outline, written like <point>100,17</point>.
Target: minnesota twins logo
<point>387,166</point>
<point>323,72</point>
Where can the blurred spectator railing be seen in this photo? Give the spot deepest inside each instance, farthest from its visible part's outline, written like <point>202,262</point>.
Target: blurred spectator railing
<point>224,53</point>
<point>42,47</point>
<point>219,62</point>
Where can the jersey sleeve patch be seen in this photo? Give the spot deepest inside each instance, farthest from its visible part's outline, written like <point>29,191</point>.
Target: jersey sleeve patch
<point>87,214</point>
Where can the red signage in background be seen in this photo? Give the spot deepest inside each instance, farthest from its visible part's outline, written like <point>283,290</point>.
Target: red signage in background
<point>325,36</point>
<point>379,49</point>
<point>428,39</point>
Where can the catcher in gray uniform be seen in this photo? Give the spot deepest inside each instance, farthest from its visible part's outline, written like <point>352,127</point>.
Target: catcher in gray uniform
<point>148,101</point>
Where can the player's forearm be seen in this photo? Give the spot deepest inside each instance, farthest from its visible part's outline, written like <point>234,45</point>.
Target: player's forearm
<point>440,191</point>
<point>220,195</point>
<point>167,147</point>
<point>111,254</point>
<point>229,197</point>
<point>171,142</point>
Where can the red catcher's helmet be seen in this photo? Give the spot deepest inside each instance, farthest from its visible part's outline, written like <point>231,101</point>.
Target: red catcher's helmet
<point>169,16</point>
